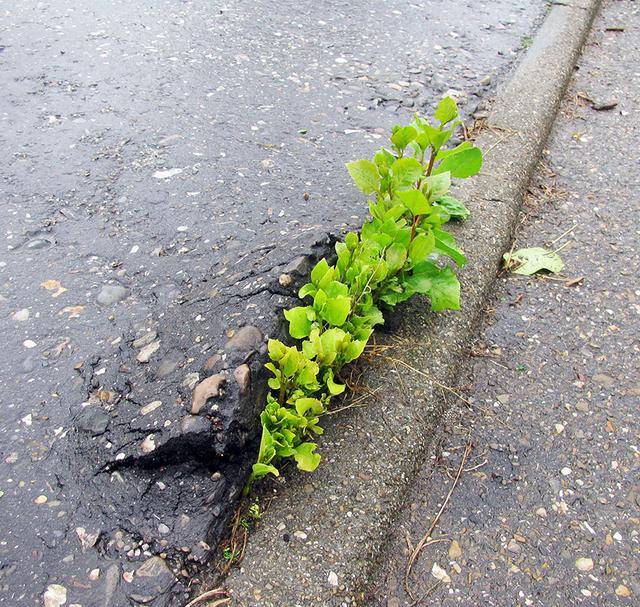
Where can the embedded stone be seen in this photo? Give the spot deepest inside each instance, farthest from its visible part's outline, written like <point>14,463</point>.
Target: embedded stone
<point>242,375</point>
<point>245,339</point>
<point>206,389</point>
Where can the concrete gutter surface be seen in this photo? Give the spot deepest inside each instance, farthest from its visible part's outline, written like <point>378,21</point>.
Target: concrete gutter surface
<point>319,541</point>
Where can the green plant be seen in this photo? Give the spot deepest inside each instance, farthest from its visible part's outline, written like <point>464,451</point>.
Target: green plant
<point>396,255</point>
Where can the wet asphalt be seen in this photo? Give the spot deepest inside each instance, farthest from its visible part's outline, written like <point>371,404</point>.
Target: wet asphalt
<point>164,163</point>
<point>547,509</point>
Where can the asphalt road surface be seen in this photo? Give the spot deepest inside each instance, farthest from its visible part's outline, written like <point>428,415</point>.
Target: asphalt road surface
<point>163,163</point>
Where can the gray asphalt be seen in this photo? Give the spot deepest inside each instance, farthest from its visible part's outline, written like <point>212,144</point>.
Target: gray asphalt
<point>163,164</point>
<point>546,512</point>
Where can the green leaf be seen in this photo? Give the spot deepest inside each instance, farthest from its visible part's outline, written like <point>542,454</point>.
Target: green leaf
<point>530,261</point>
<point>308,289</point>
<point>415,201</point>
<point>421,247</point>
<point>305,457</point>
<point>440,284</point>
<point>260,470</point>
<point>463,164</point>
<point>402,136</point>
<point>333,387</point>
<point>351,240</point>
<point>299,322</point>
<point>384,159</point>
<point>454,207</point>
<point>318,272</point>
<point>446,111</point>
<point>309,404</point>
<point>276,349</point>
<point>437,185</point>
<point>336,310</point>
<point>445,291</point>
<point>406,171</point>
<point>446,243</point>
<point>396,255</point>
<point>365,175</point>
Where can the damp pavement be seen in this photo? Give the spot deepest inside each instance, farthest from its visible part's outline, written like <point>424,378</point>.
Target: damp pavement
<point>547,510</point>
<point>169,172</point>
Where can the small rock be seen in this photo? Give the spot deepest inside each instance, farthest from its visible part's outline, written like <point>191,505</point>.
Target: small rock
<point>21,315</point>
<point>148,444</point>
<point>111,294</point>
<point>541,512</point>
<point>332,579</point>
<point>440,574</point>
<point>205,390</point>
<point>300,535</point>
<point>582,406</point>
<point>55,595</point>
<point>604,104</point>
<point>245,339</point>
<point>190,380</point>
<point>167,174</point>
<point>163,529</point>
<point>503,399</point>
<point>584,564</point>
<point>94,574</point>
<point>87,540</point>
<point>166,367</point>
<point>566,471</point>
<point>152,579</point>
<point>454,550</point>
<point>152,406</point>
<point>513,546</point>
<point>41,499</point>
<point>211,362</point>
<point>144,340</point>
<point>285,280</point>
<point>623,591</point>
<point>145,354</point>
<point>242,375</point>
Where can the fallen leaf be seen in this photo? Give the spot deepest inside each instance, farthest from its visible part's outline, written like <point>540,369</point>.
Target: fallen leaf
<point>530,261</point>
<point>53,285</point>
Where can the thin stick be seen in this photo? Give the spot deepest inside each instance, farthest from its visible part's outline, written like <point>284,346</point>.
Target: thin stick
<point>571,229</point>
<point>435,381</point>
<point>426,537</point>
<point>210,594</point>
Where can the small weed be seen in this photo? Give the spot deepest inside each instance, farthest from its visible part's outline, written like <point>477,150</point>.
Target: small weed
<point>398,253</point>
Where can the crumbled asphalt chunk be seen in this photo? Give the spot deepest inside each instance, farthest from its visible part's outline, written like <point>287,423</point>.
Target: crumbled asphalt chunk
<point>548,511</point>
<point>140,175</point>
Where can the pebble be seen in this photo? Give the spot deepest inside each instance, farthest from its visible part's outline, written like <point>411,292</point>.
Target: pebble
<point>513,546</point>
<point>332,578</point>
<point>582,406</point>
<point>300,535</point>
<point>454,550</point>
<point>21,315</point>
<point>110,294</point>
<point>541,512</point>
<point>147,352</point>
<point>41,499</point>
<point>285,280</point>
<point>55,595</point>
<point>205,390</point>
<point>163,529</point>
<point>245,339</point>
<point>152,406</point>
<point>566,471</point>
<point>623,591</point>
<point>167,174</point>
<point>148,444</point>
<point>584,564</point>
<point>242,375</point>
<point>29,343</point>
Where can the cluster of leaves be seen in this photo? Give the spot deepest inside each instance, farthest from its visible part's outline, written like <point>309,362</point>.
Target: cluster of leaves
<point>394,256</point>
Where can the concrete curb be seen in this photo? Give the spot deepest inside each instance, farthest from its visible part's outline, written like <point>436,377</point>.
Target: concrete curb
<point>320,539</point>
